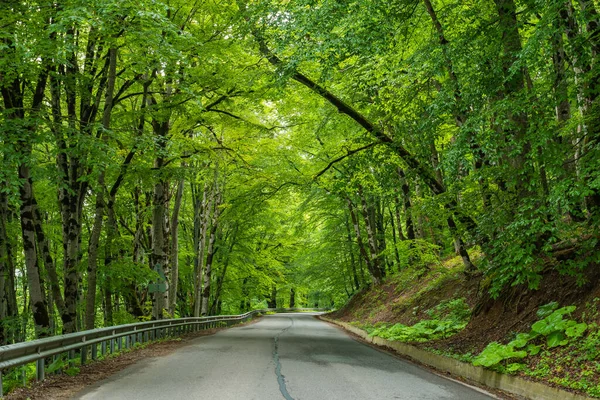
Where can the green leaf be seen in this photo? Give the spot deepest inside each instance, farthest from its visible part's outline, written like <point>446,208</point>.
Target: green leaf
<point>576,331</point>
<point>495,352</point>
<point>565,310</point>
<point>514,367</point>
<point>533,350</point>
<point>556,338</point>
<point>547,309</point>
<point>542,327</point>
<point>520,341</point>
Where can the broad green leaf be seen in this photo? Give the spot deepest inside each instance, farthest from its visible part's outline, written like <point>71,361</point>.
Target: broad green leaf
<point>556,338</point>
<point>547,309</point>
<point>533,349</point>
<point>576,331</point>
<point>520,341</point>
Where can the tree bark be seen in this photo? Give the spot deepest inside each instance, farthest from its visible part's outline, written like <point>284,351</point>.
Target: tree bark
<point>272,300</point>
<point>212,249</point>
<point>94,240</point>
<point>351,253</point>
<point>202,215</point>
<point>13,98</point>
<point>6,273</point>
<point>174,281</point>
<point>36,297</point>
<point>394,238</point>
<point>361,246</point>
<point>375,260</point>
<point>410,228</point>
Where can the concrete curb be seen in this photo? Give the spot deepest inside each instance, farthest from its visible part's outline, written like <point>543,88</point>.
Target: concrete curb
<point>508,383</point>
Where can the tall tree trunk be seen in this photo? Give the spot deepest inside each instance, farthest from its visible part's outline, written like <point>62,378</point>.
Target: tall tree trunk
<point>158,257</point>
<point>380,234</point>
<point>6,272</point>
<point>592,102</point>
<point>351,253</point>
<point>175,248</point>
<point>361,246</point>
<point>202,215</point>
<point>212,249</point>
<point>272,300</point>
<point>92,267</point>
<point>292,298</point>
<point>111,229</point>
<point>217,296</point>
<point>513,84</point>
<point>94,240</point>
<point>36,297</point>
<point>245,301</point>
<point>44,250</point>
<point>14,107</point>
<point>375,260</point>
<point>395,240</point>
<point>410,229</point>
<point>206,284</point>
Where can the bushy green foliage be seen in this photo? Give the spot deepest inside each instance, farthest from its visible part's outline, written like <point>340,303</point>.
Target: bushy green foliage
<point>447,318</point>
<point>552,326</point>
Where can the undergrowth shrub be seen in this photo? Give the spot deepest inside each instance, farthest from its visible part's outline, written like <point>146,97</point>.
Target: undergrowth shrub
<point>552,329</point>
<point>446,319</point>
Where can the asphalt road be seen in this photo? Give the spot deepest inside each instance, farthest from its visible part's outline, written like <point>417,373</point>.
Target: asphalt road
<point>283,356</point>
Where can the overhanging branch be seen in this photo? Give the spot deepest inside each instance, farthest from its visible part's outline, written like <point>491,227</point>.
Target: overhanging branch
<point>348,154</point>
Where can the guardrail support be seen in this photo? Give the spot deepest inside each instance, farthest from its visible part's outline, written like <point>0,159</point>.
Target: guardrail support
<point>40,366</point>
<point>84,351</point>
<point>1,392</point>
<point>71,358</point>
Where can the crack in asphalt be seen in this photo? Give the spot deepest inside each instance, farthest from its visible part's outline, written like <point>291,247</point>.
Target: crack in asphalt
<point>280,376</point>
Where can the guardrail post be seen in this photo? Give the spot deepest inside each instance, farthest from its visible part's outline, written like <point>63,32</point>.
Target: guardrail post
<point>103,347</point>
<point>84,351</point>
<point>24,375</point>
<point>40,369</point>
<point>112,346</point>
<point>1,392</point>
<point>120,343</point>
<point>94,351</point>
<point>71,358</point>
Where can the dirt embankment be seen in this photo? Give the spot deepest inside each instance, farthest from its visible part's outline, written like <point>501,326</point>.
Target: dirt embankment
<point>406,297</point>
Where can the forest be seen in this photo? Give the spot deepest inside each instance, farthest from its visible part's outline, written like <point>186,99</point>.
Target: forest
<point>170,158</point>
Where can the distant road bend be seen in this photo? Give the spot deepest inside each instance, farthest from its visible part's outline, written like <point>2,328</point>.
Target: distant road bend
<point>283,356</point>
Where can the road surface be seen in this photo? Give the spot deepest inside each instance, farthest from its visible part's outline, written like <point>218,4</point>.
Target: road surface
<point>283,356</point>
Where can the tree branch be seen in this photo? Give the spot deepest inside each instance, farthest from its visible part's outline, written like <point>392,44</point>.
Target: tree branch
<point>348,154</point>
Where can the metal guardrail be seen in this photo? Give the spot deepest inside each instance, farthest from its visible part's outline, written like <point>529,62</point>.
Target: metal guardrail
<point>86,343</point>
